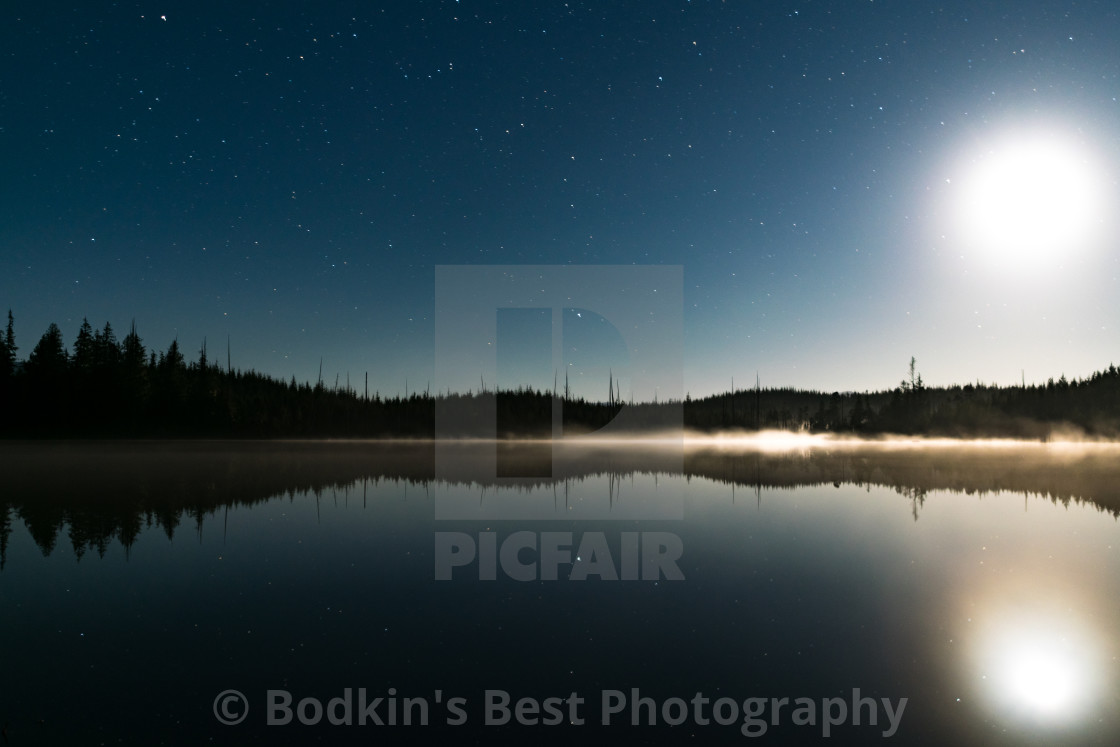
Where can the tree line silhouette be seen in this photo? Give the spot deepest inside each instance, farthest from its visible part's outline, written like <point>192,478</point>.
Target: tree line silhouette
<point>1088,407</point>
<point>106,388</point>
<point>102,387</point>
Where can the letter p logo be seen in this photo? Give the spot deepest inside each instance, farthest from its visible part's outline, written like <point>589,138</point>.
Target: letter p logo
<point>611,336</point>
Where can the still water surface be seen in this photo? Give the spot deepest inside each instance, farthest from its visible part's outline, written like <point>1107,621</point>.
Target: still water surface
<point>714,579</point>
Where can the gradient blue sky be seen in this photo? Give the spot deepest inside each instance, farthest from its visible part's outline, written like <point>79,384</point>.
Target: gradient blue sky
<point>290,174</point>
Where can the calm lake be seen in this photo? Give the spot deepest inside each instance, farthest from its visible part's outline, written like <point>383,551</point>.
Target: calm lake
<point>774,590</point>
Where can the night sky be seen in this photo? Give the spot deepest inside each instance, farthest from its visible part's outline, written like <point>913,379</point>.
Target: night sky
<point>845,185</point>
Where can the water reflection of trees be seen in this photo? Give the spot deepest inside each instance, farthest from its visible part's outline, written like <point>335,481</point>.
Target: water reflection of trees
<point>99,492</point>
<point>105,491</point>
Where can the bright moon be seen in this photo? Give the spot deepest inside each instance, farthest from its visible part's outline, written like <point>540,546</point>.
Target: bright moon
<point>1031,198</point>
